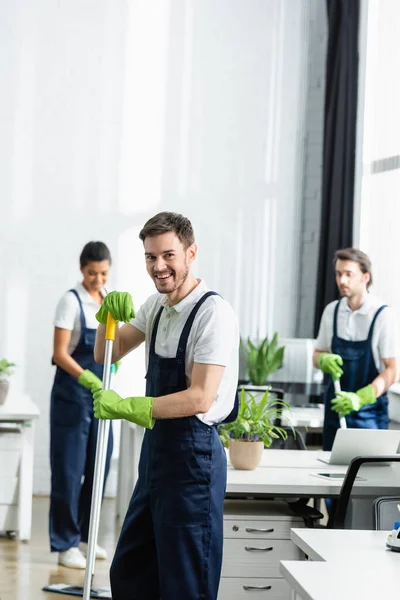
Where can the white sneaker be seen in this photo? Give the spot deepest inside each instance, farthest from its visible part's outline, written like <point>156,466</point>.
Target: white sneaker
<point>101,553</point>
<point>72,558</point>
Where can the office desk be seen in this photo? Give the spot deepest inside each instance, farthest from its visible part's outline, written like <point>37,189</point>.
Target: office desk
<point>344,564</point>
<point>17,417</point>
<point>290,473</point>
<point>282,473</point>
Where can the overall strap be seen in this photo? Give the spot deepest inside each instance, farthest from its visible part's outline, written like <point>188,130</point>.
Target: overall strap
<point>188,325</point>
<point>154,332</point>
<point>371,329</point>
<point>82,314</point>
<point>335,316</point>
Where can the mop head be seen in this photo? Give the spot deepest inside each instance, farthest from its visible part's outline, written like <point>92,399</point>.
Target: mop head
<point>77,590</point>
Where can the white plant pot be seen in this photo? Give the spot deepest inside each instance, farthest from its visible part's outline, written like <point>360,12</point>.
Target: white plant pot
<point>245,454</point>
<point>4,386</point>
<point>257,391</point>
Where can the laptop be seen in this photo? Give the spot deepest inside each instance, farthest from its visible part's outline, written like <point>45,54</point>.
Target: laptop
<point>350,443</point>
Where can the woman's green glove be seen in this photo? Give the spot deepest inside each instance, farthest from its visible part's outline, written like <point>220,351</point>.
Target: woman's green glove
<point>347,402</point>
<point>119,305</point>
<point>108,405</point>
<point>89,380</point>
<point>331,364</point>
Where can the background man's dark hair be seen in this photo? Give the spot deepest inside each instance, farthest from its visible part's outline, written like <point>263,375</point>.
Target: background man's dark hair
<point>165,222</point>
<point>356,256</point>
<point>94,252</point>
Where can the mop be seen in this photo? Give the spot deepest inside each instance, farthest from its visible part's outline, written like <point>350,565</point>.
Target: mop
<point>342,420</point>
<point>98,481</point>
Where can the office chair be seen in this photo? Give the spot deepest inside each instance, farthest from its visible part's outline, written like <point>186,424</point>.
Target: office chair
<point>386,512</point>
<point>337,520</point>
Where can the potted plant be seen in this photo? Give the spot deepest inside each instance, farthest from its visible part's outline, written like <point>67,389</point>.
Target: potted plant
<point>5,372</point>
<point>253,429</point>
<point>262,359</point>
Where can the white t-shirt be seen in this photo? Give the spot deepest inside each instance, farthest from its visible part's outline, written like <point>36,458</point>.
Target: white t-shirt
<point>68,313</point>
<point>213,340</point>
<point>354,326</point>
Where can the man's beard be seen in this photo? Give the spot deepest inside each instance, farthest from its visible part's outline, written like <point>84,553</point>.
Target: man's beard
<point>176,284</point>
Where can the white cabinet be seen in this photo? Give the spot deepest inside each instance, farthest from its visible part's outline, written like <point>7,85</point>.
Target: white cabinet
<point>10,456</point>
<point>256,539</point>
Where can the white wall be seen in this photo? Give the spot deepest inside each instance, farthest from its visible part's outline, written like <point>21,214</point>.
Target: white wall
<point>379,150</point>
<point>312,181</point>
<point>113,110</point>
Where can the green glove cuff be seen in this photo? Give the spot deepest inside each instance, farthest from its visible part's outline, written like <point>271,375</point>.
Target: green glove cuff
<point>367,395</point>
<point>89,380</point>
<point>109,405</point>
<point>139,410</point>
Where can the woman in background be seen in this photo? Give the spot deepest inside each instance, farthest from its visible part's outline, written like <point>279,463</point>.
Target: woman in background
<point>73,427</point>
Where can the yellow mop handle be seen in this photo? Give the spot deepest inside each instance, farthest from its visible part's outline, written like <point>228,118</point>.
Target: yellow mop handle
<point>110,327</point>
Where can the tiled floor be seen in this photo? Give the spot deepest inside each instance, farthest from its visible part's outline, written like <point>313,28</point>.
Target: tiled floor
<point>26,567</point>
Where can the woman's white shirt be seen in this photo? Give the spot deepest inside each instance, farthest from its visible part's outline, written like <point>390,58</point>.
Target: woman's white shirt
<point>67,315</point>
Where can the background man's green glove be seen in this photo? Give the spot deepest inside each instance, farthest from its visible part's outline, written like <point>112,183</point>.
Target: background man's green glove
<point>108,405</point>
<point>347,402</point>
<point>89,380</point>
<point>331,364</point>
<point>119,304</point>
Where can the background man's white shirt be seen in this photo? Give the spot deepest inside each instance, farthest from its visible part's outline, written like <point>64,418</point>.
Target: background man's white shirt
<point>355,325</point>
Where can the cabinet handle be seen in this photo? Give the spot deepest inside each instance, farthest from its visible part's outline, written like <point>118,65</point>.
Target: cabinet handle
<point>251,530</point>
<point>251,549</point>
<point>257,587</point>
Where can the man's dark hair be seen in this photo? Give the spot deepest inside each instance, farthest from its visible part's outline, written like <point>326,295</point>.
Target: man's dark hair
<point>164,222</point>
<point>94,252</point>
<point>357,256</point>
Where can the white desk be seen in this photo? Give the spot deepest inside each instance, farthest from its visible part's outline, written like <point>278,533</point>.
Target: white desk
<point>16,464</point>
<point>357,566</point>
<point>290,473</point>
<point>282,473</point>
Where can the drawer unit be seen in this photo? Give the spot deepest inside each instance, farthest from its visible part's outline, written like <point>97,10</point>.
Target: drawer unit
<point>256,529</point>
<point>253,589</point>
<point>257,558</point>
<point>8,517</point>
<point>8,490</point>
<point>10,438</point>
<point>9,464</point>
<point>256,539</point>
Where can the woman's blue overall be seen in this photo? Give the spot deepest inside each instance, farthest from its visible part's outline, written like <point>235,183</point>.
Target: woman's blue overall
<point>73,437</point>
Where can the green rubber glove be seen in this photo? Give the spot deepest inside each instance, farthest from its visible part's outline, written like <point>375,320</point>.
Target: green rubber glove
<point>119,304</point>
<point>90,381</point>
<point>331,364</point>
<point>347,402</point>
<point>108,405</point>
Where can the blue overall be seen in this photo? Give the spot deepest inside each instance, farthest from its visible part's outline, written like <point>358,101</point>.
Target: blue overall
<point>170,545</point>
<point>73,437</point>
<point>359,370</point>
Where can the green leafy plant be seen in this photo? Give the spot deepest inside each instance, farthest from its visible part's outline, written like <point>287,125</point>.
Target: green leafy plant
<point>262,360</point>
<point>5,368</point>
<point>255,421</point>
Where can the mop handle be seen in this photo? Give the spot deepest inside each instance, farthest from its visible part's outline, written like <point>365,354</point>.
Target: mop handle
<point>99,465</point>
<point>336,385</point>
